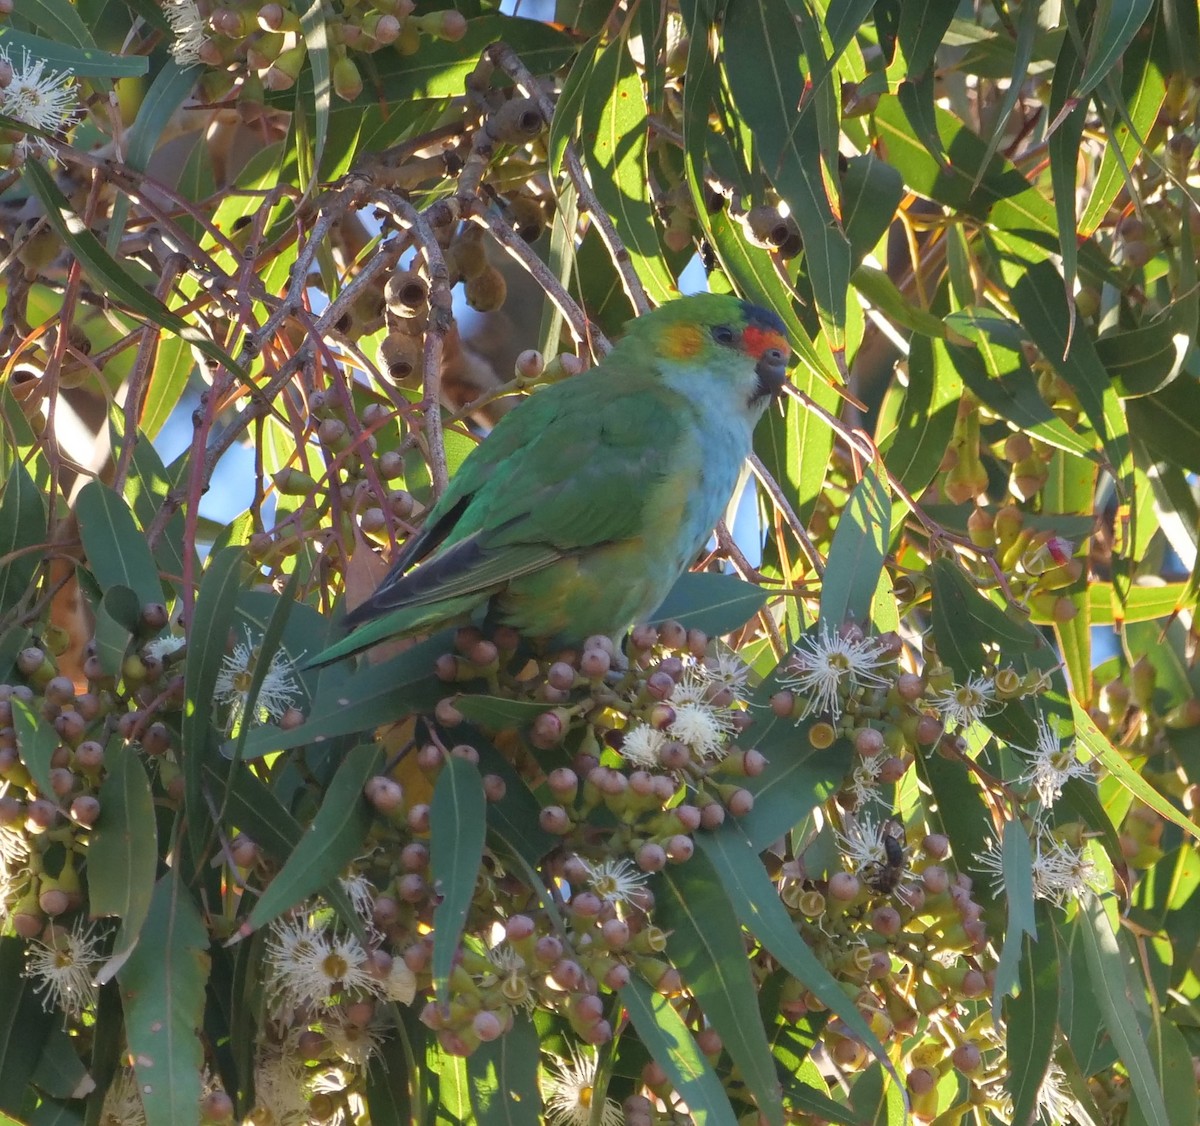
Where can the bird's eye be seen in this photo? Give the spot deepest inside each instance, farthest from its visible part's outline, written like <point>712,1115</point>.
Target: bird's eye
<point>723,334</point>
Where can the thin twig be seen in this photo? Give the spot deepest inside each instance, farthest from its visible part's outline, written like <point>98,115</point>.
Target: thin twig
<point>506,59</point>
<point>790,517</point>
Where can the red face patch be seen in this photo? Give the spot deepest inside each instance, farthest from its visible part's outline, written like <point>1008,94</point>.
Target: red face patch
<point>756,340</point>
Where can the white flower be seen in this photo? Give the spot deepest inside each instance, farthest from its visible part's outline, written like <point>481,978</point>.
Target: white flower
<point>14,852</point>
<point>1059,871</point>
<point>281,1089</point>
<point>65,968</point>
<point>693,687</point>
<point>510,973</point>
<point>726,672</point>
<point>309,963</point>
<point>864,779</point>
<point>702,727</point>
<point>354,1043</point>
<point>1055,1099</point>
<point>123,1102</point>
<point>965,704</point>
<point>642,744</point>
<point>615,881</point>
<point>569,1092</point>
<point>187,25</point>
<point>862,842</point>
<point>1051,764</point>
<point>823,663</point>
<point>361,894</point>
<point>275,694</point>
<point>400,984</point>
<point>163,647</point>
<point>34,96</point>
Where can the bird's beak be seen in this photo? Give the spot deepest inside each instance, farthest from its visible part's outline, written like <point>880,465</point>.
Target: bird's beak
<point>771,370</point>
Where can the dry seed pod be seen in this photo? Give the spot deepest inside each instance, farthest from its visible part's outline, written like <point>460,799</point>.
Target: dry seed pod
<point>467,253</point>
<point>486,293</point>
<point>516,121</point>
<point>527,217</point>
<point>766,227</point>
<point>400,358</point>
<point>406,294</point>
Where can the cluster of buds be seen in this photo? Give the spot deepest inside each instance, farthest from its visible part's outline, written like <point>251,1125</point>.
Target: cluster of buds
<point>264,45</point>
<point>59,743</point>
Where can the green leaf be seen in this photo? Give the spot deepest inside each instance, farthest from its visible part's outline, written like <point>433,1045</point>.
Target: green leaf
<point>60,20</point>
<point>37,742</point>
<point>1114,762</point>
<point>108,274</point>
<point>1177,1077</point>
<point>1181,21</point>
<point>503,1078</point>
<point>60,1072</point>
<point>1002,193</point>
<point>921,30</point>
<point>997,374</point>
<point>349,702</point>
<point>1144,89</point>
<point>1017,861</point>
<point>1145,359</point>
<point>123,852</point>
<point>25,1025</point>
<point>147,486</point>
<point>669,1042</point>
<point>1031,1017</point>
<point>116,547</point>
<point>211,622</point>
<point>117,619</point>
<point>568,110</point>
<point>714,603</point>
<point>870,193</point>
<point>1168,422</point>
<point>169,374</point>
<point>390,1083</point>
<point>513,820</point>
<point>964,620</point>
<point>1040,301</point>
<point>613,122</point>
<point>22,529</point>
<point>762,62</point>
<point>457,819</point>
<point>171,87</point>
<point>498,712</point>
<point>1113,28</point>
<point>162,989</point>
<point>330,843</point>
<point>1119,1006</point>
<point>756,902</point>
<point>83,62</point>
<point>705,943</point>
<point>856,554</point>
<point>920,422</point>
<point>960,812</point>
<point>1027,28</point>
<point>314,22</point>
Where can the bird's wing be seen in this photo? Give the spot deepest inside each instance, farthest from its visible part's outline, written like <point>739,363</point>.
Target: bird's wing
<point>575,474</point>
<point>585,476</point>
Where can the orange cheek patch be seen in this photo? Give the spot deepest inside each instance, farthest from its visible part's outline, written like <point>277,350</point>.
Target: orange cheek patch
<point>681,342</point>
<point>757,340</point>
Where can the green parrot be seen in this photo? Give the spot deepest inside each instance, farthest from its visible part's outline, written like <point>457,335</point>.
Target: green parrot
<point>579,511</point>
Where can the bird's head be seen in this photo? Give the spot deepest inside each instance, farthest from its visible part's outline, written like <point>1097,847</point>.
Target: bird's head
<point>707,328</point>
